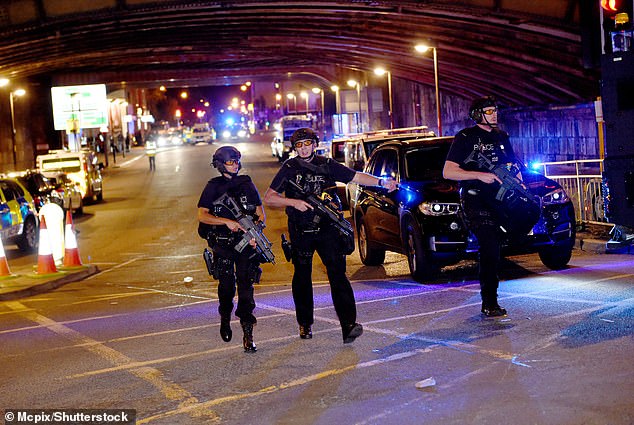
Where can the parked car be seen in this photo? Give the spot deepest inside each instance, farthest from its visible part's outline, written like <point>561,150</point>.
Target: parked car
<point>82,167</point>
<point>70,192</point>
<point>18,215</point>
<point>60,190</point>
<point>357,148</point>
<point>423,219</point>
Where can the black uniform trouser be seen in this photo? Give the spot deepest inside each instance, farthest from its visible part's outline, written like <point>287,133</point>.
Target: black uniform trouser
<point>325,242</point>
<point>482,221</point>
<point>232,272</point>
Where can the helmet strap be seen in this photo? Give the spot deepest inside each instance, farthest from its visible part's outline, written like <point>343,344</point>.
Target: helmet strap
<point>486,122</point>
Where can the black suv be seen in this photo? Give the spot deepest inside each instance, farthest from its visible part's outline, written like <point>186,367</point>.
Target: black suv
<point>423,220</point>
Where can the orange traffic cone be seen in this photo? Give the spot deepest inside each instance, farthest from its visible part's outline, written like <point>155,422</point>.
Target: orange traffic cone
<point>71,252</point>
<point>45,261</point>
<point>4,265</point>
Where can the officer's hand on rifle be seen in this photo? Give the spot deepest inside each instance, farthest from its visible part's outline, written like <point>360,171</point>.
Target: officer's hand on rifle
<point>488,177</point>
<point>234,226</point>
<point>301,205</point>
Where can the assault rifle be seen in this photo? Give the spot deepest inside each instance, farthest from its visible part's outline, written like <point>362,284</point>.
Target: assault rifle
<point>323,208</point>
<point>252,230</point>
<point>519,208</point>
<point>511,185</point>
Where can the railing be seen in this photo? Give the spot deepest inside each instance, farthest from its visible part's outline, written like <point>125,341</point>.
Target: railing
<point>582,182</point>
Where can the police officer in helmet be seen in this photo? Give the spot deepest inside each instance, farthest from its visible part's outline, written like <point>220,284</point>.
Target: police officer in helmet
<point>222,232</point>
<point>317,174</point>
<point>475,188</point>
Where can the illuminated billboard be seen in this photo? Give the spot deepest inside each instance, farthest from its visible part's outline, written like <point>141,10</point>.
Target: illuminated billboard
<point>76,107</point>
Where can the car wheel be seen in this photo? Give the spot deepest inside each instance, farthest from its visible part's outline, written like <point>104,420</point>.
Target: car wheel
<point>370,256</point>
<point>555,257</point>
<point>418,258</point>
<point>28,240</point>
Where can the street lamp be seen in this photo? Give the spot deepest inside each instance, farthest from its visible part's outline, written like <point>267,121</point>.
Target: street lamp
<point>305,96</point>
<point>422,48</point>
<point>381,71</point>
<point>320,92</point>
<point>335,88</point>
<point>353,83</point>
<point>18,92</point>
<point>289,97</point>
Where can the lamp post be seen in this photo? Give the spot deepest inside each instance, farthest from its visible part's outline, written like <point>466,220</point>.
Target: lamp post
<point>18,92</point>
<point>335,88</point>
<point>422,48</point>
<point>353,83</point>
<point>289,97</point>
<point>320,92</point>
<point>305,96</point>
<point>381,71</point>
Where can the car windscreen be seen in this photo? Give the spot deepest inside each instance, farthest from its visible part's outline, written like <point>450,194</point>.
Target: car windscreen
<point>68,165</point>
<point>425,163</point>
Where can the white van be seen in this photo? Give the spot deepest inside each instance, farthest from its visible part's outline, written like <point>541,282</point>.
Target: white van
<point>80,167</point>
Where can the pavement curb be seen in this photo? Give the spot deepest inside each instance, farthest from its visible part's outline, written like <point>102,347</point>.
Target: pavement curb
<point>38,288</point>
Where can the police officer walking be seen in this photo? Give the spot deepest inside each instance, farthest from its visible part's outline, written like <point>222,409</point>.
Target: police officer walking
<point>308,232</point>
<point>222,232</point>
<point>476,192</point>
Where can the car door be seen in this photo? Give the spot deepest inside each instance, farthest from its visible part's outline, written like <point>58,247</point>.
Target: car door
<point>381,212</point>
<point>9,208</point>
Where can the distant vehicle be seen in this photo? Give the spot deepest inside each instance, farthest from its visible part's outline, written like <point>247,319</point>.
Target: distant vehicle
<point>80,167</point>
<point>18,215</point>
<point>235,132</point>
<point>284,128</point>
<point>423,219</point>
<point>203,133</point>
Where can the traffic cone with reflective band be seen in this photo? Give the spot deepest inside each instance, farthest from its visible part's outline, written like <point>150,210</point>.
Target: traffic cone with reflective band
<point>71,252</point>
<point>4,265</point>
<point>45,261</point>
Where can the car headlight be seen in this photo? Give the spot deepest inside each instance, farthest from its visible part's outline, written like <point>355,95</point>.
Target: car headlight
<point>242,133</point>
<point>439,208</point>
<point>226,134</point>
<point>557,196</point>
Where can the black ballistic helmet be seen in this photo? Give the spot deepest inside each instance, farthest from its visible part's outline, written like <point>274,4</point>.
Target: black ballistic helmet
<point>223,154</point>
<point>478,104</point>
<point>304,134</point>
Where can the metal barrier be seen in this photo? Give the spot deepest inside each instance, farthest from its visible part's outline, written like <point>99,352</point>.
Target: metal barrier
<point>582,182</point>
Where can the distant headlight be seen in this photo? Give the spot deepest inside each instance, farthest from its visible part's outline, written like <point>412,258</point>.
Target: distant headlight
<point>557,196</point>
<point>226,134</point>
<point>242,133</point>
<point>439,208</point>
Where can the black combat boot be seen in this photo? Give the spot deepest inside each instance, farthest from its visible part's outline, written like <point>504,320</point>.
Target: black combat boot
<point>225,329</point>
<point>247,340</point>
<point>351,332</point>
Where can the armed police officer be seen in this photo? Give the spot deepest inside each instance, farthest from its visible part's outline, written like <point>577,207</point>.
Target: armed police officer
<point>218,225</point>
<point>477,186</point>
<point>300,181</point>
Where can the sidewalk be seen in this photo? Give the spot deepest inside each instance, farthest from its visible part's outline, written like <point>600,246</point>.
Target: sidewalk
<point>23,282</point>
